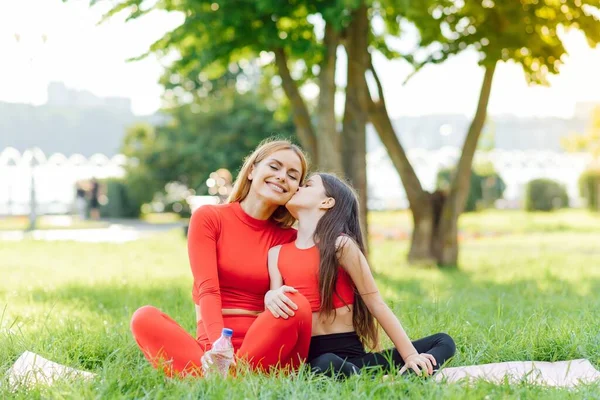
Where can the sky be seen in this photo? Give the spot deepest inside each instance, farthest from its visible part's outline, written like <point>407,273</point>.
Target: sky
<point>87,56</point>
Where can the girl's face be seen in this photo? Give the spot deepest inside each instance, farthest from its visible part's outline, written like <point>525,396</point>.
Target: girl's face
<point>277,177</point>
<point>310,196</point>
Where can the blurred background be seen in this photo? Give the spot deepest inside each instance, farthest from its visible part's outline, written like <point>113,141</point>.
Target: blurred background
<point>146,109</point>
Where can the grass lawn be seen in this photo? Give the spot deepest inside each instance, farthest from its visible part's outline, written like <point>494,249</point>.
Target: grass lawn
<point>21,223</point>
<point>530,293</point>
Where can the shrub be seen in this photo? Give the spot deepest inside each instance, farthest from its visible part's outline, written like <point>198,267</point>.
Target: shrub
<point>589,187</point>
<point>545,195</point>
<point>485,187</point>
<point>123,200</point>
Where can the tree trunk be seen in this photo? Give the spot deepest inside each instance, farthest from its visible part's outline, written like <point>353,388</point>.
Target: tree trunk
<point>421,202</point>
<point>379,117</point>
<point>355,113</point>
<point>424,247</point>
<point>435,216</point>
<point>301,116</point>
<point>423,229</point>
<point>328,137</point>
<point>459,190</point>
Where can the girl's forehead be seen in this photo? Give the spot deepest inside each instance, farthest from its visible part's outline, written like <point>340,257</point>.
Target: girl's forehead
<point>315,178</point>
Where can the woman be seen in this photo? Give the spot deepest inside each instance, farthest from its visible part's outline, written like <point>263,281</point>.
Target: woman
<point>227,246</point>
<point>80,203</point>
<point>95,200</point>
<point>326,263</point>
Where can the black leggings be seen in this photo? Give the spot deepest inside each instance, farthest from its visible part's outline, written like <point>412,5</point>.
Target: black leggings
<point>342,354</point>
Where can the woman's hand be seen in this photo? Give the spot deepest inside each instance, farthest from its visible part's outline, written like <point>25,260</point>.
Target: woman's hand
<point>423,362</point>
<point>279,304</point>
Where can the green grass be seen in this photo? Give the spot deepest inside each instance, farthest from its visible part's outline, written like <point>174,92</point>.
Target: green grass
<point>161,218</point>
<point>501,221</point>
<point>527,295</point>
<point>21,223</point>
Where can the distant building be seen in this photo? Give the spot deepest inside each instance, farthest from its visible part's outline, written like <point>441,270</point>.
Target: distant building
<point>71,121</point>
<point>61,96</point>
<point>510,132</point>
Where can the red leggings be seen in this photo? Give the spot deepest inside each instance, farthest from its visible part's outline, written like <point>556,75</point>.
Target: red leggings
<point>263,340</point>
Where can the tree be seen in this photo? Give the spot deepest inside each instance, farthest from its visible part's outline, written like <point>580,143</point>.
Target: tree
<point>525,32</point>
<point>303,37</point>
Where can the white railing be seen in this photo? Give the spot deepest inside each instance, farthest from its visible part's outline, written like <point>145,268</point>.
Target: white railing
<point>55,175</point>
<point>54,179</point>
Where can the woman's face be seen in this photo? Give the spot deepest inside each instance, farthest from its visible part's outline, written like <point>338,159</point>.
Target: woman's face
<point>310,196</point>
<point>277,177</point>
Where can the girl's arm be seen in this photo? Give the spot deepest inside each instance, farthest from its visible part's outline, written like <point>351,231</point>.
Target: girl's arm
<point>275,279</point>
<point>356,265</point>
<point>275,300</point>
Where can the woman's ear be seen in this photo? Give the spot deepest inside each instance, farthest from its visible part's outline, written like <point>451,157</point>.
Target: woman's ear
<point>328,203</point>
<point>250,174</point>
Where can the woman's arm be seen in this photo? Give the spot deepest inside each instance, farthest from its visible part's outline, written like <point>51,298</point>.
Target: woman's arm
<point>202,251</point>
<point>355,263</point>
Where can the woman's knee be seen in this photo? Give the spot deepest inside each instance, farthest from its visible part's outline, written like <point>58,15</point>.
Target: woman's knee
<point>304,311</point>
<point>144,318</point>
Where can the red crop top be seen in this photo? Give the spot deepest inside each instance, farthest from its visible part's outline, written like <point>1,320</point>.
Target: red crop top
<point>228,254</point>
<point>299,268</point>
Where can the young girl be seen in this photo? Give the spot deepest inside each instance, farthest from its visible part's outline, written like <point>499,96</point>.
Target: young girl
<point>327,265</point>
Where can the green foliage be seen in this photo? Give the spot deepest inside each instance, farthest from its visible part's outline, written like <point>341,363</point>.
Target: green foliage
<point>589,187</point>
<point>545,195</point>
<point>125,197</point>
<point>215,35</point>
<point>485,188</point>
<point>201,138</point>
<point>524,31</point>
<point>138,146</point>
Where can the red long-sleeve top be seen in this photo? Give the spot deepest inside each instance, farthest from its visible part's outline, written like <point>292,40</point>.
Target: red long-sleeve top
<point>228,256</point>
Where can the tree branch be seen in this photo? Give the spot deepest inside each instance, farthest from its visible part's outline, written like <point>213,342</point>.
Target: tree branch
<point>353,145</point>
<point>461,182</point>
<point>380,119</point>
<point>328,140</point>
<point>378,83</point>
<point>301,116</point>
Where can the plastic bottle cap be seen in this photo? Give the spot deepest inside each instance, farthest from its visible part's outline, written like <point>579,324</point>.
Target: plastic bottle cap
<point>227,332</point>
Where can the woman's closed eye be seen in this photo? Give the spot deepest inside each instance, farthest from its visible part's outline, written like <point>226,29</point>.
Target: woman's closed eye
<point>291,176</point>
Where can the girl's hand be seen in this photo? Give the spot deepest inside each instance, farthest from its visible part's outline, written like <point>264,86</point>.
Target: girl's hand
<point>279,304</point>
<point>423,362</point>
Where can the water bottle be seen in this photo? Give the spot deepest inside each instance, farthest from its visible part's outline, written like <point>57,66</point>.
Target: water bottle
<point>223,349</point>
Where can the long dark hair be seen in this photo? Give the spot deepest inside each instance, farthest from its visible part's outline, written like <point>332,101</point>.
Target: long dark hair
<point>341,219</point>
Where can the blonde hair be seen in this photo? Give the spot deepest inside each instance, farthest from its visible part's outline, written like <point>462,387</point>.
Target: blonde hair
<point>241,186</point>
